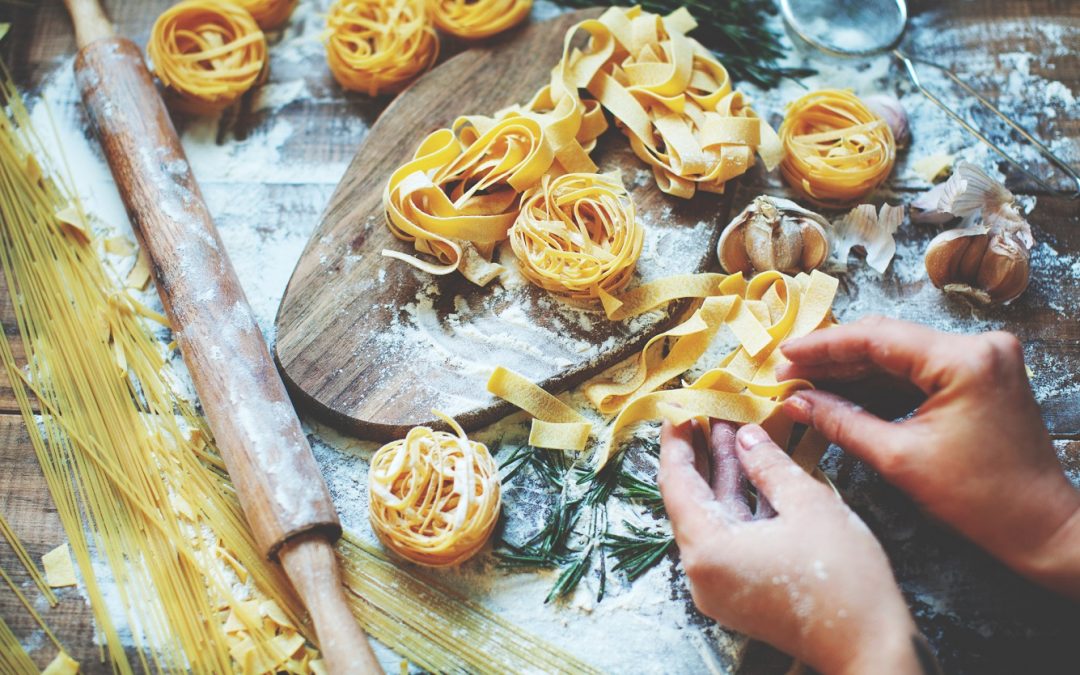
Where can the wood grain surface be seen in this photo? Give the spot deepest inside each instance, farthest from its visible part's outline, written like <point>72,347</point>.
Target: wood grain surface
<point>980,618</point>
<point>356,347</point>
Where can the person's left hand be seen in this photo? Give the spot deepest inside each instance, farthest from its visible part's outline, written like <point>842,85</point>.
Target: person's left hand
<point>802,573</point>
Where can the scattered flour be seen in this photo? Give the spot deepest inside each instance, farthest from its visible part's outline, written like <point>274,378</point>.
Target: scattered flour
<point>266,202</point>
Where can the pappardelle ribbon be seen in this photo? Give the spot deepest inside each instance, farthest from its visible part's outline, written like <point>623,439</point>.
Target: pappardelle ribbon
<point>741,388</point>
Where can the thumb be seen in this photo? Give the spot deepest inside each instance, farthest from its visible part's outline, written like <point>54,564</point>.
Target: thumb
<point>866,436</point>
<point>773,473</point>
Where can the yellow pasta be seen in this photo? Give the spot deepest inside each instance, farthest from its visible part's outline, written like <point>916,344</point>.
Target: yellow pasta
<point>379,46</point>
<point>207,54</point>
<point>434,496</point>
<point>269,14</point>
<point>741,387</point>
<point>474,19</point>
<point>675,103</point>
<point>578,234</point>
<point>836,151</point>
<point>458,196</point>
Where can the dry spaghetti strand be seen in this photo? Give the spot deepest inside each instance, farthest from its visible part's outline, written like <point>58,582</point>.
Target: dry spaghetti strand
<point>379,46</point>
<point>836,150</point>
<point>207,54</point>
<point>475,19</point>
<point>577,235</point>
<point>434,496</point>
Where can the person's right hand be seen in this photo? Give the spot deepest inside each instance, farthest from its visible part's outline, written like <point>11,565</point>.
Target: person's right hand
<point>976,454</point>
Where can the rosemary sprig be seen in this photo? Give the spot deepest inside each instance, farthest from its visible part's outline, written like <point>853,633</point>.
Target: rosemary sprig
<point>642,492</point>
<point>637,551</point>
<point>736,31</point>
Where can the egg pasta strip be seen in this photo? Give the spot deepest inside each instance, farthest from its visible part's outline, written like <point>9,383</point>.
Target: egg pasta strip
<point>555,425</point>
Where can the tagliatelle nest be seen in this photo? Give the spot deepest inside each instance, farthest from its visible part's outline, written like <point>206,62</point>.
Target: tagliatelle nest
<point>269,14</point>
<point>434,496</point>
<point>207,54</point>
<point>577,235</point>
<point>836,151</point>
<point>474,19</point>
<point>379,46</point>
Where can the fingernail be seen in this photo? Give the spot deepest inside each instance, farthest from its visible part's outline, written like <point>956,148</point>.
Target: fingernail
<point>751,436</point>
<point>799,406</point>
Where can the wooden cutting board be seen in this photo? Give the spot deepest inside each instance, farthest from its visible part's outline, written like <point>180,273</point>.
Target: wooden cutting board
<point>370,345</point>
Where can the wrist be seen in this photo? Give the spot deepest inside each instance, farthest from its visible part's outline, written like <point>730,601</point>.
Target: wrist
<point>883,646</point>
<point>1055,562</point>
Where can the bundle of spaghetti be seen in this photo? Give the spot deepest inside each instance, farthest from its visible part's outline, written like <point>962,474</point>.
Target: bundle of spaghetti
<point>475,19</point>
<point>120,452</point>
<point>577,235</point>
<point>676,104</point>
<point>139,487</point>
<point>24,559</point>
<point>443,631</point>
<point>434,496</point>
<point>207,54</point>
<point>269,14</point>
<point>13,658</point>
<point>836,151</point>
<point>379,46</point>
<point>741,387</point>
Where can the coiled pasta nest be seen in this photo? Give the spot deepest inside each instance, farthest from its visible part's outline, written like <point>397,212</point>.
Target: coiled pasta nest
<point>434,496</point>
<point>836,150</point>
<point>207,54</point>
<point>379,46</point>
<point>577,235</point>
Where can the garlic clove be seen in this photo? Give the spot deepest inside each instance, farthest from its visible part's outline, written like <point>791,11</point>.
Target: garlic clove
<point>889,108</point>
<point>773,234</point>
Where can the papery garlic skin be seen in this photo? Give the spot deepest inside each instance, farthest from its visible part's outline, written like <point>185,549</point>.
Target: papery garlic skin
<point>773,234</point>
<point>889,108</point>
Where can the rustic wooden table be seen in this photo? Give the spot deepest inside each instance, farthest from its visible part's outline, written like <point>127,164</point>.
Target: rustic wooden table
<point>980,617</point>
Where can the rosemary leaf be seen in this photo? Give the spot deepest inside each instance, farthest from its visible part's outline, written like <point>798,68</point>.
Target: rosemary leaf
<point>638,551</point>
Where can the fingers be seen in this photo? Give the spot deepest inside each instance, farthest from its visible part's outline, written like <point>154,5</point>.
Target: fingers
<point>870,438</point>
<point>829,372</point>
<point>687,497</point>
<point>728,481</point>
<point>776,477</point>
<point>903,349</point>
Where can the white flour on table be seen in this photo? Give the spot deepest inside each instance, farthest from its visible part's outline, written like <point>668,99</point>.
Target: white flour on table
<point>266,203</point>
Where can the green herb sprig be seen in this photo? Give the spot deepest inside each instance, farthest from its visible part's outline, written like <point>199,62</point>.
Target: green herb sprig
<point>637,551</point>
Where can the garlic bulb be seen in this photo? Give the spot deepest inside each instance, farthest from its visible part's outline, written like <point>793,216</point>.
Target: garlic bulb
<point>988,258</point>
<point>774,234</point>
<point>889,108</point>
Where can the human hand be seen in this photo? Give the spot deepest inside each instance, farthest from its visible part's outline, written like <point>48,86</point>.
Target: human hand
<point>976,454</point>
<point>802,573</point>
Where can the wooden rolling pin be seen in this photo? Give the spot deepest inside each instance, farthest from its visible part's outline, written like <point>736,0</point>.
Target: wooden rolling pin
<point>284,497</point>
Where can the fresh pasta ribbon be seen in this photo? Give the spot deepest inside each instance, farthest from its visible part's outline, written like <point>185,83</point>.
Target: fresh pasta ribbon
<point>379,46</point>
<point>742,388</point>
<point>207,54</point>
<point>434,496</point>
<point>578,234</point>
<point>555,425</point>
<point>475,19</point>
<point>836,149</point>
<point>675,103</point>
<point>269,14</point>
<point>463,188</point>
